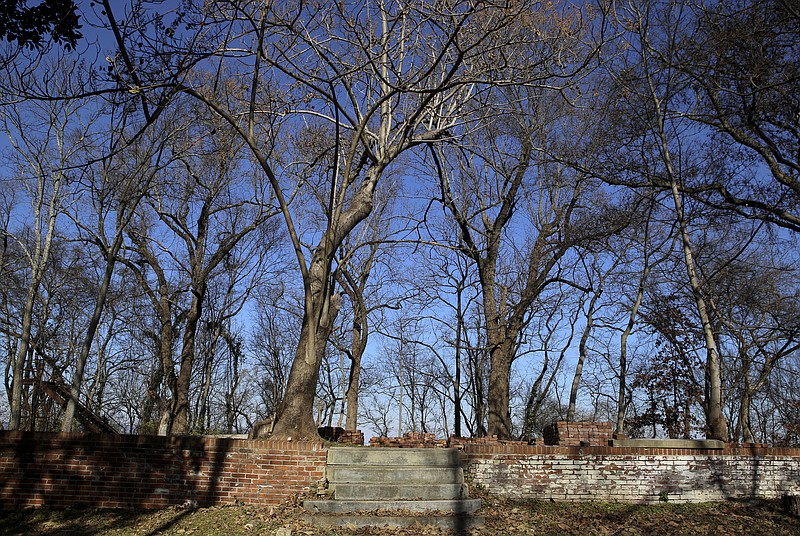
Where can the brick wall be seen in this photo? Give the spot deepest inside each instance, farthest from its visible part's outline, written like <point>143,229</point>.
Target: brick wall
<point>574,434</point>
<point>632,474</point>
<point>410,440</point>
<point>337,434</point>
<point>152,472</point>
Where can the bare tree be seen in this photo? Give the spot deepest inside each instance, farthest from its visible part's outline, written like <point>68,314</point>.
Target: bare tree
<point>44,148</point>
<point>210,212</point>
<point>363,270</point>
<point>483,185</point>
<point>648,98</point>
<point>116,184</point>
<point>755,304</point>
<point>383,81</point>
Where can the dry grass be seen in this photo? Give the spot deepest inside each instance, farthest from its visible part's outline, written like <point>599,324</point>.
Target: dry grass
<point>502,517</point>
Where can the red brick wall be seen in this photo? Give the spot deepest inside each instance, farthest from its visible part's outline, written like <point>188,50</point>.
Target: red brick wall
<point>573,434</point>
<point>409,440</point>
<point>153,472</point>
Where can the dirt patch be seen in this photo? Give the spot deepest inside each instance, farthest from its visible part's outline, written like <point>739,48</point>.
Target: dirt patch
<point>502,517</point>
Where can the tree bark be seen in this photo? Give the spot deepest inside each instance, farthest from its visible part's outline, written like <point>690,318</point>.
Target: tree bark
<point>19,361</point>
<point>715,418</point>
<point>180,400</point>
<point>295,414</point>
<point>499,418</point>
<point>358,346</point>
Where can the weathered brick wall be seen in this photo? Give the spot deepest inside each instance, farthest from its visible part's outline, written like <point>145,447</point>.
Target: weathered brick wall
<point>632,474</point>
<point>152,472</point>
<point>409,440</point>
<point>337,434</point>
<point>573,434</point>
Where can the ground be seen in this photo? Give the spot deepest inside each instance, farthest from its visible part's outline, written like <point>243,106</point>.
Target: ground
<point>502,517</point>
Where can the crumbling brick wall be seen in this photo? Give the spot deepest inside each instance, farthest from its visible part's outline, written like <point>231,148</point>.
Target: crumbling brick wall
<point>337,434</point>
<point>575,434</point>
<point>632,474</point>
<point>409,440</point>
<point>154,472</point>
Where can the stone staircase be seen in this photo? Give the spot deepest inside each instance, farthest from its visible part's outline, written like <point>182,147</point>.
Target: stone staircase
<point>394,487</point>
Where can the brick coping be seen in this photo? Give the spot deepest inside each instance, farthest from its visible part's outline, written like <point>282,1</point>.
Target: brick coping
<point>7,436</point>
<point>468,446</point>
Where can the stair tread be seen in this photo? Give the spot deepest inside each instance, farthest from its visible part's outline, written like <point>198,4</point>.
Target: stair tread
<point>399,491</point>
<point>454,522</point>
<point>394,474</point>
<point>365,505</point>
<point>384,456</point>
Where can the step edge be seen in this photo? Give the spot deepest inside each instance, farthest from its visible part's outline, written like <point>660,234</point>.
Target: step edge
<point>450,506</point>
<point>362,521</point>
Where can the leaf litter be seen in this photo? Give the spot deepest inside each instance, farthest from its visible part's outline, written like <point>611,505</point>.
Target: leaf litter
<point>502,516</point>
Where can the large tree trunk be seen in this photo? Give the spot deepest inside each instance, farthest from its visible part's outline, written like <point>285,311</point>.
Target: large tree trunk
<point>499,418</point>
<point>152,398</point>
<point>165,347</point>
<point>744,427</point>
<point>295,417</point>
<point>582,352</point>
<point>478,395</point>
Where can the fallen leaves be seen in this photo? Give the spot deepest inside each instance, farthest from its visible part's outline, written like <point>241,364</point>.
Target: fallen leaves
<point>502,516</point>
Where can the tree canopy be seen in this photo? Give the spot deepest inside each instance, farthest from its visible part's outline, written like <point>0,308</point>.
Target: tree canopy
<point>465,217</point>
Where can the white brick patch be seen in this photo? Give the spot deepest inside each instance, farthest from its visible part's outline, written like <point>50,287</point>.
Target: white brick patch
<point>637,478</point>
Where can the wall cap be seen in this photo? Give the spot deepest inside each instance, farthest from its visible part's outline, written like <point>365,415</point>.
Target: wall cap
<point>706,444</point>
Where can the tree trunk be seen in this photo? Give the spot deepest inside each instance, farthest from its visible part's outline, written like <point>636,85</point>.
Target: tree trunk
<point>715,419</point>
<point>576,379</point>
<point>180,399</point>
<point>359,344</point>
<point>19,362</point>
<point>499,393</point>
<point>295,415</point>
<point>152,398</point>
<point>479,397</point>
<point>457,372</point>
<point>88,339</point>
<point>165,345</point>
<point>745,429</point>
<point>351,423</point>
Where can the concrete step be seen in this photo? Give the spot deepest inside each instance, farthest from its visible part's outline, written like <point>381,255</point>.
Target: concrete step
<point>457,506</point>
<point>458,523</point>
<point>415,474</point>
<point>393,456</point>
<point>391,487</point>
<point>390,492</point>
